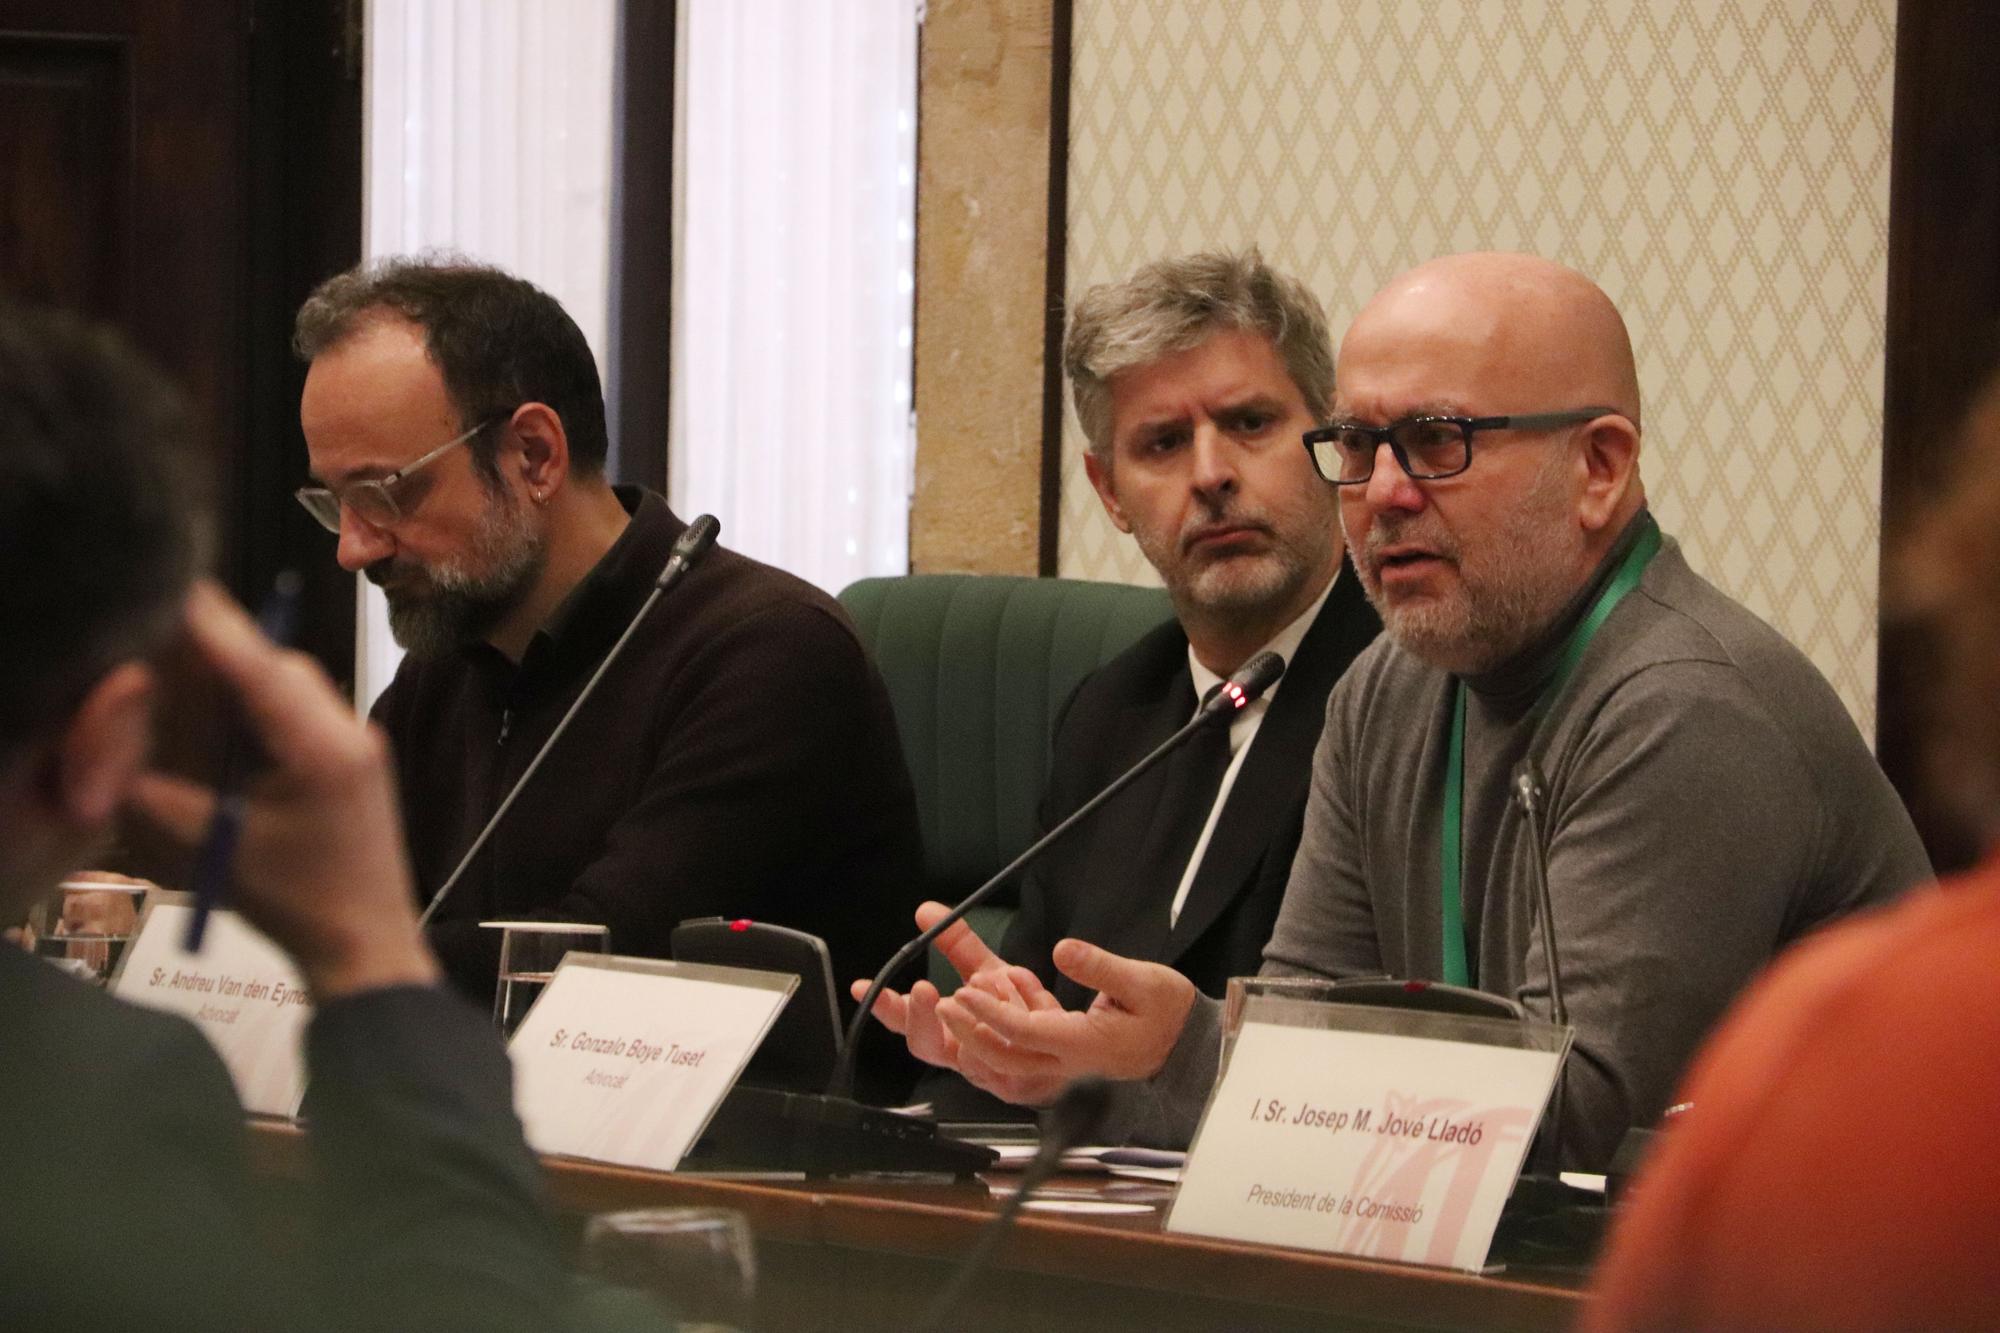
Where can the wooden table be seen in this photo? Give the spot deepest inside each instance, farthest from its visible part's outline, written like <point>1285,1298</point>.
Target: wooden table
<point>869,1254</point>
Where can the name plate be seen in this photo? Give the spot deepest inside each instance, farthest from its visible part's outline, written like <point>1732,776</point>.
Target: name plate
<point>623,1060</point>
<point>1379,1133</point>
<point>241,991</point>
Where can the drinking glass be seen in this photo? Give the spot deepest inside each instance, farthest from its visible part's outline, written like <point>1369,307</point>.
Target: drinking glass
<point>699,1265</point>
<point>529,952</point>
<point>85,925</point>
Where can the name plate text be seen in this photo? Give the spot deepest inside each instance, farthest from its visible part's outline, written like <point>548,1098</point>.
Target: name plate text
<point>1372,1143</point>
<point>240,990</point>
<point>623,1060</point>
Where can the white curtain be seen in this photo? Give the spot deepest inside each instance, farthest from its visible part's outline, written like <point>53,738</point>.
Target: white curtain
<point>794,270</point>
<point>488,131</point>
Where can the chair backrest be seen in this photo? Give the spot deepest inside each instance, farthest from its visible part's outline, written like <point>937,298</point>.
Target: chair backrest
<point>977,666</point>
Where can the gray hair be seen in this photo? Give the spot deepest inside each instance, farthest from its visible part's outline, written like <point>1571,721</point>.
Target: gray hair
<point>1171,305</point>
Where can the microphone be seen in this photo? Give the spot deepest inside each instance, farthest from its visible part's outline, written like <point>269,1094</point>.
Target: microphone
<point>1229,698</point>
<point>689,548</point>
<point>1258,674</point>
<point>1530,794</point>
<point>760,1129</point>
<point>1073,1119</point>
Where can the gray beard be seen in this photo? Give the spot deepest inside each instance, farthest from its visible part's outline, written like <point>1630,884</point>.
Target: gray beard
<point>1228,592</point>
<point>1497,623</point>
<point>443,619</point>
<point>455,607</point>
<point>1511,606</point>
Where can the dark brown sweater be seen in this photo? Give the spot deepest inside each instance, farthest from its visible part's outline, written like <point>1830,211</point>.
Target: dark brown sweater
<point>740,759</point>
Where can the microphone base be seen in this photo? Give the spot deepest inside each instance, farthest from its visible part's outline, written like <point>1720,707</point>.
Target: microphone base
<point>765,1129</point>
<point>1548,1224</point>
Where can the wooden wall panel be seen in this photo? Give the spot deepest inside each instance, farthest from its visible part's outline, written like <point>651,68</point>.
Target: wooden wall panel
<point>186,170</point>
<point>65,170</point>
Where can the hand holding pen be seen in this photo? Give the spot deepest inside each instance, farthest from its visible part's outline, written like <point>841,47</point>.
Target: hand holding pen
<point>317,861</point>
<point>278,621</point>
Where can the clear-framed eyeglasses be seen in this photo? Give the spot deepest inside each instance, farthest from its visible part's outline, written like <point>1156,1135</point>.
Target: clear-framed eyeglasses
<point>374,499</point>
<point>1427,448</point>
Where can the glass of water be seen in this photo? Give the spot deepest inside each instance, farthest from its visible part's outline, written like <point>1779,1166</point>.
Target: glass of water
<point>85,925</point>
<point>529,952</point>
<point>696,1265</point>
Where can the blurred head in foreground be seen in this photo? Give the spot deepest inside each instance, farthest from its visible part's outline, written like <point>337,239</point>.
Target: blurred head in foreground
<point>1948,581</point>
<point>1846,1193</point>
<point>100,533</point>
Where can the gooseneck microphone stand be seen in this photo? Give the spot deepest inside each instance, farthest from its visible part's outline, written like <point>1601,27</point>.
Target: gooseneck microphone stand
<point>689,548</point>
<point>1233,695</point>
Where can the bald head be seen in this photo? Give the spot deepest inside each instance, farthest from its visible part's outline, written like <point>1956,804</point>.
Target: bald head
<point>1468,568</point>
<point>1499,333</point>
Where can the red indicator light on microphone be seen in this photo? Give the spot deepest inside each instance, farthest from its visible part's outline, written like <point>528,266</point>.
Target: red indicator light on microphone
<point>740,924</point>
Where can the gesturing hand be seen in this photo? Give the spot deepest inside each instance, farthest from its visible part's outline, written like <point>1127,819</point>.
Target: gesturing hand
<point>1017,1042</point>
<point>914,1016</point>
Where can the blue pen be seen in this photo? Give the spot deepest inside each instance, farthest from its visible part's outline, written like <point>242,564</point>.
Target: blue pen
<point>278,618</point>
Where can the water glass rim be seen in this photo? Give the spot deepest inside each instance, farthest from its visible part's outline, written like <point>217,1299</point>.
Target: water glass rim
<point>666,1219</point>
<point>101,886</point>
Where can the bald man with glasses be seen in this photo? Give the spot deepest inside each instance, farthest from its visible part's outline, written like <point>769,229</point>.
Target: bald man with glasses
<point>739,759</point>
<point>1707,799</point>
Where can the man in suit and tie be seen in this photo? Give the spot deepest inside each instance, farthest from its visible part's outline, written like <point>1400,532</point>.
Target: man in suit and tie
<point>1193,380</point>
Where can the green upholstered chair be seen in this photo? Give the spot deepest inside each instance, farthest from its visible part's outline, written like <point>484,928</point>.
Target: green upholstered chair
<point>977,667</point>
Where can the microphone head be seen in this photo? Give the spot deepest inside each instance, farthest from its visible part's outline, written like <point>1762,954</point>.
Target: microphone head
<point>1074,1118</point>
<point>697,538</point>
<point>1244,688</point>
<point>1528,786</point>
<point>689,547</point>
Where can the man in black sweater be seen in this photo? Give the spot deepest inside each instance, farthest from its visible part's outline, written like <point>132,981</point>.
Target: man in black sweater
<point>739,759</point>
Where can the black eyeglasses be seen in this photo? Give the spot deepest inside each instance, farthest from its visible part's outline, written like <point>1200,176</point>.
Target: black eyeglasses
<point>1427,448</point>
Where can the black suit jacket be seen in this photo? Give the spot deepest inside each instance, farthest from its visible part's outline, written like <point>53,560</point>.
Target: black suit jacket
<point>1117,715</point>
<point>125,1201</point>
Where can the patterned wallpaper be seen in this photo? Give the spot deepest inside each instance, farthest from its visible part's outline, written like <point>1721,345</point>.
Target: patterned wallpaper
<point>1720,167</point>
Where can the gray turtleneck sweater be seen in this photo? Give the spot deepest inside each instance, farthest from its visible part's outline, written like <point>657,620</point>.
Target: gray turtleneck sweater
<point>1709,801</point>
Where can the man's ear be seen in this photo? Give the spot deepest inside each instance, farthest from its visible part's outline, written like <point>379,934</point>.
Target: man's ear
<point>1609,452</point>
<point>1100,480</point>
<point>104,745</point>
<point>543,462</point>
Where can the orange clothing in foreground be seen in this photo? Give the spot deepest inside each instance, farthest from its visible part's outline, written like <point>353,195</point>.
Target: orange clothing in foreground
<point>1840,1166</point>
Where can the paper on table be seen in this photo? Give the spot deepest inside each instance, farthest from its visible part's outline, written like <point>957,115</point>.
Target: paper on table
<point>1102,1157</point>
<point>1016,1156</point>
<point>1153,1157</point>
